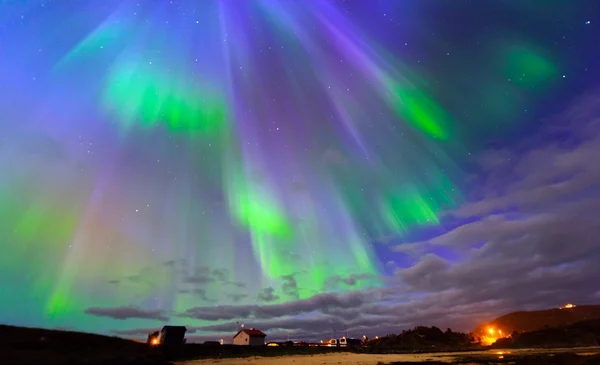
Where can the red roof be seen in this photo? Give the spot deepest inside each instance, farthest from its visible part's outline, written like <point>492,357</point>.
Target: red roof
<point>252,332</point>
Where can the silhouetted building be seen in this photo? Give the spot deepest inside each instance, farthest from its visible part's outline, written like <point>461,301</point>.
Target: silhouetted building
<point>172,335</point>
<point>249,337</point>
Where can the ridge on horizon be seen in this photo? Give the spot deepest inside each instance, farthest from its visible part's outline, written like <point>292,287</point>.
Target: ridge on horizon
<point>527,321</point>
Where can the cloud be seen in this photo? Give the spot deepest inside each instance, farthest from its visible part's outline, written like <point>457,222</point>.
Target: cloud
<point>525,240</point>
<point>290,286</point>
<point>201,275</point>
<point>320,302</point>
<point>324,323</point>
<point>198,292</point>
<point>202,339</point>
<point>424,274</point>
<point>176,262</point>
<point>143,277</point>
<point>535,177</point>
<point>143,332</point>
<point>351,280</point>
<point>268,295</point>
<point>123,313</point>
<point>362,319</point>
<point>237,284</point>
<point>136,332</point>
<point>201,293</point>
<point>221,274</point>
<point>146,276</point>
<point>531,241</point>
<point>391,265</point>
<point>237,297</point>
<point>204,275</point>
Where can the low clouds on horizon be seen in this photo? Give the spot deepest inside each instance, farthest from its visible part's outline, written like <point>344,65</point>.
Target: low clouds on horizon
<point>526,240</point>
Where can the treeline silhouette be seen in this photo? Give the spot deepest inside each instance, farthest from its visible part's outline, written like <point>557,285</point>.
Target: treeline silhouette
<point>422,339</point>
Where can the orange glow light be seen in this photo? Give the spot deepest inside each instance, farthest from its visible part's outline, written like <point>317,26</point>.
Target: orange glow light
<point>488,340</point>
<point>568,306</point>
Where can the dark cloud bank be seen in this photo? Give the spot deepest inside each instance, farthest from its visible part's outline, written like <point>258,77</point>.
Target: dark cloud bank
<point>530,241</point>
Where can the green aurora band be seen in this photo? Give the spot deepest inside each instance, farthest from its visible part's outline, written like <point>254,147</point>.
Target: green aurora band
<point>191,199</point>
<point>145,96</point>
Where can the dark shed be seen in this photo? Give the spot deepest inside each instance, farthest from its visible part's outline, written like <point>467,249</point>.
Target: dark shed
<point>172,335</point>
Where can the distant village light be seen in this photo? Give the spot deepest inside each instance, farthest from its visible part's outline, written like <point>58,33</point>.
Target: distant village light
<point>568,306</point>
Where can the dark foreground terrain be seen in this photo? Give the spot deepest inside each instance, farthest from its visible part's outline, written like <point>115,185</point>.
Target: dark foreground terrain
<point>566,358</point>
<point>518,357</point>
<point>41,346</point>
<point>24,346</point>
<point>580,334</point>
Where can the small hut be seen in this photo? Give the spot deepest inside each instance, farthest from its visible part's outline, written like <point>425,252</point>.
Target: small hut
<point>172,335</point>
<point>249,337</point>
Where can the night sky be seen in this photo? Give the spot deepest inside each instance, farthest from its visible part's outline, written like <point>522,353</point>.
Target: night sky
<point>299,166</point>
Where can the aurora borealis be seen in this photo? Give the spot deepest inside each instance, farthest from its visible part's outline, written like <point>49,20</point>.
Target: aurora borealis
<point>276,162</point>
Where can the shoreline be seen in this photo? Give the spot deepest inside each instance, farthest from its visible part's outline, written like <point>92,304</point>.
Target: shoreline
<point>348,358</point>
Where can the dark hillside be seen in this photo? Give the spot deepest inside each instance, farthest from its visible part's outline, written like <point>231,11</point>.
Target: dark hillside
<point>35,346</point>
<point>537,320</point>
<point>580,334</point>
<point>21,345</point>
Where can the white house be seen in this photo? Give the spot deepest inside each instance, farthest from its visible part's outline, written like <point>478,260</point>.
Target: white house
<point>249,337</point>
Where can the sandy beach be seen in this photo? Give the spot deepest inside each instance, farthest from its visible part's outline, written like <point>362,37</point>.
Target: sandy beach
<point>325,359</point>
<point>374,359</point>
